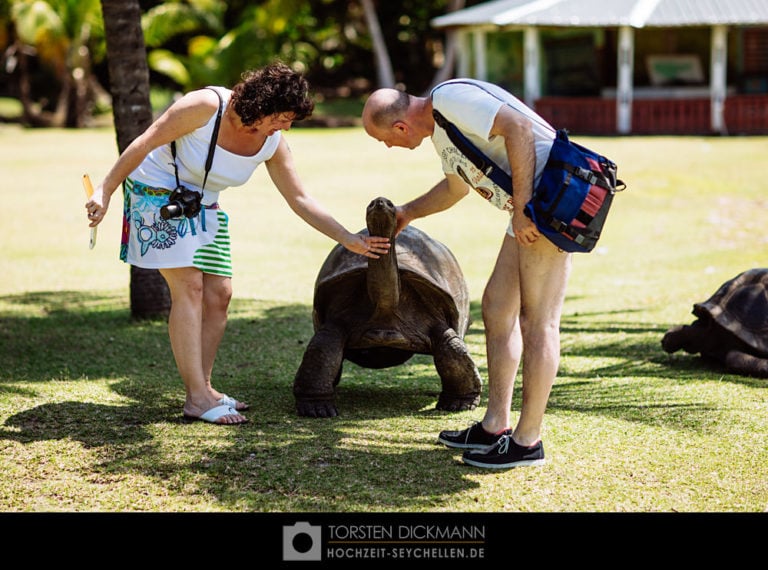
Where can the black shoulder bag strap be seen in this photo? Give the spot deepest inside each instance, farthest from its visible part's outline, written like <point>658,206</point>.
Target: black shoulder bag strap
<point>470,150</point>
<point>211,147</point>
<point>493,171</point>
<point>475,156</point>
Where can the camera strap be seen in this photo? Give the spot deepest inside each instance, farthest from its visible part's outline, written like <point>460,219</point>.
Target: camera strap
<point>211,147</point>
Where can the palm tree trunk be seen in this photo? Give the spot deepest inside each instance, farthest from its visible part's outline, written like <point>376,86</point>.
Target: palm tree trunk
<point>129,86</point>
<point>128,69</point>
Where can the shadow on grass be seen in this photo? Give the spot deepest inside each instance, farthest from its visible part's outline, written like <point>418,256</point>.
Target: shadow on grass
<point>280,461</point>
<point>75,336</point>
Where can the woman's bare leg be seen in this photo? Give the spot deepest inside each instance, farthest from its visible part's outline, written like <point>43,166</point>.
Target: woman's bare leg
<point>186,328</point>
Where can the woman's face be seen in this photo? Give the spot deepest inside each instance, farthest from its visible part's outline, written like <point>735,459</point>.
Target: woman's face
<point>279,122</point>
<point>272,123</point>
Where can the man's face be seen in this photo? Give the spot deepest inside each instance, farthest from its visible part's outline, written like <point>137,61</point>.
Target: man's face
<point>398,134</point>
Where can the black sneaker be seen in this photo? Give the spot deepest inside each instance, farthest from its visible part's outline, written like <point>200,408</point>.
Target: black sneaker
<point>474,437</point>
<point>504,454</point>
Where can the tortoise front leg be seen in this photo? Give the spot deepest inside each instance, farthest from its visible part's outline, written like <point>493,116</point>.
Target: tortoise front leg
<point>318,374</point>
<point>746,364</point>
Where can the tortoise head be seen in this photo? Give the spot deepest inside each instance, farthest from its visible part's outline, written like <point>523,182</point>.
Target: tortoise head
<point>380,218</point>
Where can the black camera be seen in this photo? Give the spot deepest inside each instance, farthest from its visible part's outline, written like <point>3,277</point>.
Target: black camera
<point>182,202</point>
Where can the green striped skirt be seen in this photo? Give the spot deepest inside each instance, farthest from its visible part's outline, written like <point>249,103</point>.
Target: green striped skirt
<point>150,242</point>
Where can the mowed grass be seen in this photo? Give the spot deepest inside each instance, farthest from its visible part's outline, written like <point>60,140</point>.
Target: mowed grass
<point>90,402</point>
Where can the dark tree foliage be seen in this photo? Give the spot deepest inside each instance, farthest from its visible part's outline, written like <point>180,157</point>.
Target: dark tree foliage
<point>339,34</point>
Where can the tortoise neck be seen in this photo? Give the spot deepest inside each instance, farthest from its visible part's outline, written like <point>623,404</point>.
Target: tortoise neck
<point>384,281</point>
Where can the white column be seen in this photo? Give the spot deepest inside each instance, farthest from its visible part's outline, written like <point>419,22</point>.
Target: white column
<point>625,63</point>
<point>532,65</point>
<point>718,77</point>
<point>481,69</point>
<point>462,53</point>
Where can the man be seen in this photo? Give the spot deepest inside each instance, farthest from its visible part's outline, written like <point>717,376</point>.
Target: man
<point>523,299</point>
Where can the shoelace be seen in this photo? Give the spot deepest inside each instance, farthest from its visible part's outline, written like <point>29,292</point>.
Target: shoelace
<point>503,443</point>
<point>469,430</point>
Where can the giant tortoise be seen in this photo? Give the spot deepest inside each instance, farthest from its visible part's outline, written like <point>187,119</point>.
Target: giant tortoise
<point>731,327</point>
<point>377,313</point>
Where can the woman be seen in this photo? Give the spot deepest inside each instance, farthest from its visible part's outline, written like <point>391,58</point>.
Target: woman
<point>191,248</point>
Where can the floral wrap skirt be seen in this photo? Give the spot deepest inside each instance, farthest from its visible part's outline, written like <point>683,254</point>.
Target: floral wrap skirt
<point>151,242</point>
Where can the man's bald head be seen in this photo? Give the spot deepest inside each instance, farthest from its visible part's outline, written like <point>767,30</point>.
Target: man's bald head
<point>384,107</point>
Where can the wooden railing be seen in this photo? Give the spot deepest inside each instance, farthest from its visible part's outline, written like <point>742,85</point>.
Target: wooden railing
<point>744,114</point>
<point>579,115</point>
<point>671,117</point>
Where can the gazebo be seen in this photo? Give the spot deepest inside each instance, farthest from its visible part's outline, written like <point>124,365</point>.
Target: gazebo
<point>624,66</point>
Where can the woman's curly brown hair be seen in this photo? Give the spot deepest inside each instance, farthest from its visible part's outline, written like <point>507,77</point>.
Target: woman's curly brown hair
<point>275,88</point>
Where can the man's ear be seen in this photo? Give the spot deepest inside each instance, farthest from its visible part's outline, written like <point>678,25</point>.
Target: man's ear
<point>400,126</point>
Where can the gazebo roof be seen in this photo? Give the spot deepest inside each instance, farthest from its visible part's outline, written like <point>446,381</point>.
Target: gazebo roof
<point>613,13</point>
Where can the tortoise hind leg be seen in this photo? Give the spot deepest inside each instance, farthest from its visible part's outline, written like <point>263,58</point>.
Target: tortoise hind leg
<point>458,373</point>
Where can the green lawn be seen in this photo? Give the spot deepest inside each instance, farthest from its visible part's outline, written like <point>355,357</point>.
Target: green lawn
<point>90,402</point>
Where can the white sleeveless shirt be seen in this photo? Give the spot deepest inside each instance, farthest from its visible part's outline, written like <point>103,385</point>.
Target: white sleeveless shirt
<point>228,169</point>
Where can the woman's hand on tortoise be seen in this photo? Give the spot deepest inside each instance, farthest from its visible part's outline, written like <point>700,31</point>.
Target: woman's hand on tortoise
<point>370,246</point>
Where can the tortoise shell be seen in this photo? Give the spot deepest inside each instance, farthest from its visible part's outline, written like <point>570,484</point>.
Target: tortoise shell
<point>422,262</point>
<point>740,306</point>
